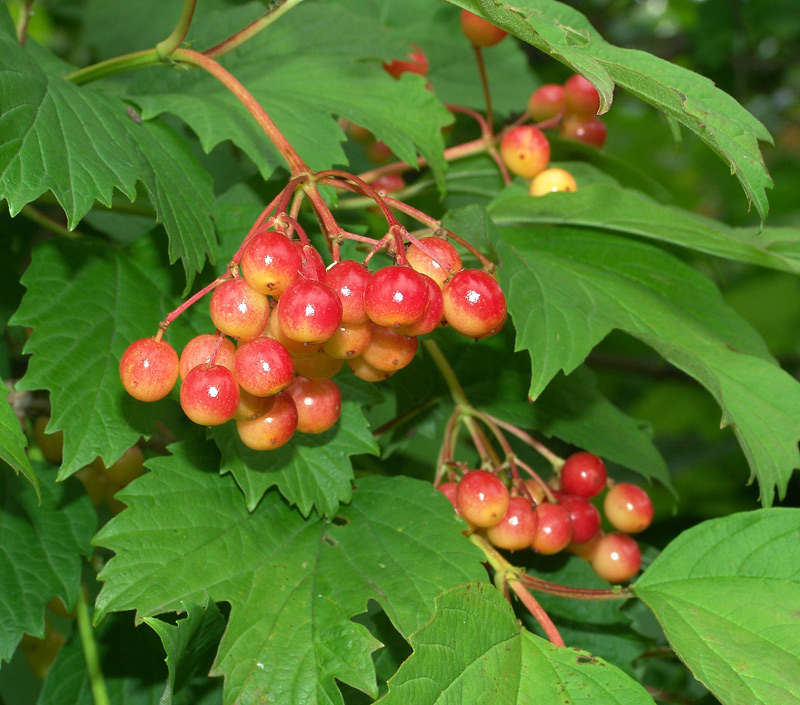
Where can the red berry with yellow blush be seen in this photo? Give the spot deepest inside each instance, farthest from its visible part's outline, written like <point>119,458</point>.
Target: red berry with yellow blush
<point>525,150</point>
<point>480,32</point>
<point>149,369</point>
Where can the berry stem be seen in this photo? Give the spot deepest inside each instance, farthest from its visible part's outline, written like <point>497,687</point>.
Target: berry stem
<point>361,187</point>
<point>556,461</point>
<point>172,315</point>
<point>22,21</point>
<point>166,46</point>
<point>485,84</point>
<point>96,681</point>
<point>615,593</point>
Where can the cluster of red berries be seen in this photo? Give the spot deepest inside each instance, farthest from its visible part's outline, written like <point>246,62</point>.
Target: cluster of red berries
<point>549,521</point>
<point>296,323</point>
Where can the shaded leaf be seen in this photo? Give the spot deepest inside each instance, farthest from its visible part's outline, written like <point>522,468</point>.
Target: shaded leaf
<point>13,444</point>
<point>293,584</point>
<point>727,598</point>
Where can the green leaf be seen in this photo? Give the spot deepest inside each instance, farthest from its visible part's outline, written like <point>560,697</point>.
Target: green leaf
<point>690,99</point>
<point>41,545</point>
<point>190,645</point>
<point>88,301</point>
<point>311,471</point>
<point>609,207</point>
<point>293,584</point>
<point>13,444</point>
<point>339,78</point>
<point>567,289</point>
<point>472,651</point>
<point>82,145</point>
<point>727,595</point>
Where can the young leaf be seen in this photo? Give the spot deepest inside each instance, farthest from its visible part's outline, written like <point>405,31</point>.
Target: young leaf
<point>293,584</point>
<point>728,599</point>
<point>567,289</point>
<point>85,304</point>
<point>13,444</point>
<point>690,99</point>
<point>608,207</point>
<point>472,651</point>
<point>40,551</point>
<point>311,471</point>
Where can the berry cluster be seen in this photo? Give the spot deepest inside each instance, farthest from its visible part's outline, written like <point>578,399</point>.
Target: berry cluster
<point>295,324</point>
<point>549,520</point>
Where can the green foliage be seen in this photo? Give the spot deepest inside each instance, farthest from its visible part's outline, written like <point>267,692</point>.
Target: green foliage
<point>330,570</point>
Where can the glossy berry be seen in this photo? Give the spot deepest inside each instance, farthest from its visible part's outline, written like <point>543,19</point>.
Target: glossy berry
<point>206,349</point>
<point>546,102</point>
<point>417,63</point>
<point>318,402</point>
<point>517,529</point>
<point>617,558</point>
<point>554,530</point>
<point>440,260</point>
<point>318,366</point>
<point>395,296</point>
<point>349,340</point>
<point>389,350</point>
<point>349,279</point>
<point>238,310</point>
<point>525,150</point>
<point>580,96</point>
<point>551,181</point>
<point>295,348</point>
<point>309,312</point>
<point>587,549</point>
<point>209,395</point>
<point>474,303</point>
<point>273,428</point>
<point>434,311</point>
<point>628,508</point>
<point>263,367</point>
<point>482,498</point>
<point>583,474</point>
<point>270,263</point>
<point>480,32</point>
<point>149,369</point>
<point>591,130</point>
<point>51,444</point>
<point>584,515</point>
<point>250,406</point>
<point>363,370</point>
<point>389,183</point>
<point>312,266</point>
<point>449,490</point>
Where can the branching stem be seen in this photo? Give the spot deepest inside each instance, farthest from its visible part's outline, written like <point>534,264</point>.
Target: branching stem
<point>165,47</point>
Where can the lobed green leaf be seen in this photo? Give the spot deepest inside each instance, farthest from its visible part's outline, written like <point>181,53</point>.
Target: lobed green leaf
<point>13,444</point>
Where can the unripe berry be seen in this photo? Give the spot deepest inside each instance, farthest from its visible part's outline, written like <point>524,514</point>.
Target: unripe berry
<point>209,395</point>
<point>546,102</point>
<point>583,474</point>
<point>482,498</point>
<point>389,350</point>
<point>238,310</point>
<point>349,340</point>
<point>149,369</point>
<point>395,296</point>
<point>318,366</point>
<point>318,402</point>
<point>309,312</point>
<point>263,366</point>
<point>349,279</point>
<point>480,32</point>
<point>126,469</point>
<point>517,529</point>
<point>617,558</point>
<point>628,508</point>
<point>525,150</point>
<point>202,348</point>
<point>474,303</point>
<point>590,130</point>
<point>580,96</point>
<point>270,263</point>
<point>363,370</point>
<point>51,444</point>
<point>552,180</point>
<point>272,429</point>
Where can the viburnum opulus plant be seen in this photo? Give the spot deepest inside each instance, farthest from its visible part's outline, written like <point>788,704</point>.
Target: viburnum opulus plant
<point>355,450</point>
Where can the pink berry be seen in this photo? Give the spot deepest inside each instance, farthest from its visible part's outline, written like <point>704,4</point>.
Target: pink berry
<point>395,296</point>
<point>270,263</point>
<point>546,102</point>
<point>580,96</point>
<point>149,369</point>
<point>309,312</point>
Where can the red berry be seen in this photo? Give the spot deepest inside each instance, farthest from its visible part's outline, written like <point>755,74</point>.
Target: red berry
<point>546,102</point>
<point>449,490</point>
<point>584,515</point>
<point>273,428</point>
<point>318,402</point>
<point>270,263</point>
<point>312,266</point>
<point>440,264</point>
<point>617,558</point>
<point>525,150</point>
<point>517,528</point>
<point>148,369</point>
<point>202,348</point>
<point>209,395</point>
<point>417,63</point>
<point>378,152</point>
<point>480,32</point>
<point>580,96</point>
<point>474,303</point>
<point>395,296</point>
<point>482,498</point>
<point>309,312</point>
<point>591,130</point>
<point>238,310</point>
<point>389,183</point>
<point>251,406</point>
<point>628,508</point>
<point>433,311</point>
<point>349,279</point>
<point>587,549</point>
<point>263,366</point>
<point>295,348</point>
<point>554,530</point>
<point>583,474</point>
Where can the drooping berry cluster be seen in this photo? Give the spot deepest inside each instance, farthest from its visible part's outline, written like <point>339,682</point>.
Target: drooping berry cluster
<point>295,323</point>
<point>548,520</point>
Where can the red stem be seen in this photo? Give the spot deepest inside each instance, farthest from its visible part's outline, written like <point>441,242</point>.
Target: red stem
<point>537,611</point>
<point>485,84</point>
